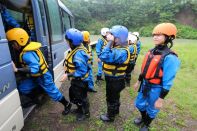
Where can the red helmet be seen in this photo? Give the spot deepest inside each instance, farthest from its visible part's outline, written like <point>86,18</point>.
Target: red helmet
<point>168,29</point>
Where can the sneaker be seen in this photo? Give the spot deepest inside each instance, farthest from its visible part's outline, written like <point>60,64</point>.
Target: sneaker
<point>92,90</point>
<point>138,121</point>
<point>99,78</point>
<point>144,128</point>
<point>106,118</point>
<point>81,117</point>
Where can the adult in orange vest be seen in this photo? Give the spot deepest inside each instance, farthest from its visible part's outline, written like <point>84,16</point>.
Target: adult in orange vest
<point>158,71</point>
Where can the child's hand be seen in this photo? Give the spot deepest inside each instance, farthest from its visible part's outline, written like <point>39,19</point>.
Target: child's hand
<point>159,103</point>
<point>99,60</point>
<point>64,78</point>
<point>136,85</point>
<point>110,37</point>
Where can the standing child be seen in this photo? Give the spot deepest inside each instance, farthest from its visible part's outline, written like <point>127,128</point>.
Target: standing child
<point>158,71</point>
<point>77,69</point>
<point>102,42</point>
<point>132,40</point>
<point>86,44</point>
<point>115,57</point>
<point>138,42</point>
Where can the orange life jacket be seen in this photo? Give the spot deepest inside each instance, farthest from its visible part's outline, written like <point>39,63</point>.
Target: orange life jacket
<point>152,65</point>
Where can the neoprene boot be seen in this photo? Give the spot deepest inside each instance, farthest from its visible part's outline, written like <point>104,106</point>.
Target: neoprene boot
<point>140,120</point>
<point>67,106</point>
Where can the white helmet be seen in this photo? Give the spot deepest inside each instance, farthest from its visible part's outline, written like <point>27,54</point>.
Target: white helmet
<point>132,38</point>
<point>104,31</point>
<point>136,34</point>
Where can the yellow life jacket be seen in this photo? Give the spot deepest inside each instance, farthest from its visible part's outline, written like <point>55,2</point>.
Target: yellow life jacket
<point>117,69</point>
<point>104,42</point>
<point>90,53</point>
<point>68,62</point>
<point>134,54</point>
<point>34,46</point>
<point>89,49</point>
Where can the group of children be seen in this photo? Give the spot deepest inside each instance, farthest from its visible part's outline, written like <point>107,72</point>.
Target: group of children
<point>117,52</point>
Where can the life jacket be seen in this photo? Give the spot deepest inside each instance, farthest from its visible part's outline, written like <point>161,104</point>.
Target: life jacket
<point>133,56</point>
<point>34,46</point>
<point>104,42</point>
<point>68,62</point>
<point>152,65</point>
<point>89,49</point>
<point>117,69</point>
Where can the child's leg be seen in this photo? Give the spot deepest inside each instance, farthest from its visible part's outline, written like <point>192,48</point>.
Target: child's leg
<point>100,70</point>
<point>91,81</point>
<point>151,110</point>
<point>128,72</point>
<point>78,96</point>
<point>46,82</point>
<point>26,86</point>
<point>141,104</point>
<point>153,96</point>
<point>113,89</point>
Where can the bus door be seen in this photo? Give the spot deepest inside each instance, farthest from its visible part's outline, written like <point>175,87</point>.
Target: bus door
<point>41,29</point>
<point>56,35</point>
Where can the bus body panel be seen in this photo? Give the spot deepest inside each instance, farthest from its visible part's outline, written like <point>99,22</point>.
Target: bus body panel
<point>11,112</point>
<point>11,117</point>
<point>59,71</point>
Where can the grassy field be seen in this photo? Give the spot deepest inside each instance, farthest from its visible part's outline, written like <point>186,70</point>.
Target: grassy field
<point>178,113</point>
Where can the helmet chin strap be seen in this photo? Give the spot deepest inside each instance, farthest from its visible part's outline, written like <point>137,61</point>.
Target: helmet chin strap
<point>72,46</point>
<point>28,41</point>
<point>169,41</point>
<point>104,37</point>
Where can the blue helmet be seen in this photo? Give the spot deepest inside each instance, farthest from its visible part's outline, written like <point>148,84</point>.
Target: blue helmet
<point>74,36</point>
<point>121,32</point>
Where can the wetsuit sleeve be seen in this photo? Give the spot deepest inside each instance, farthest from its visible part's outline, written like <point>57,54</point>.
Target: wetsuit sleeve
<point>113,55</point>
<point>80,61</point>
<point>32,61</point>
<point>171,65</point>
<point>99,46</point>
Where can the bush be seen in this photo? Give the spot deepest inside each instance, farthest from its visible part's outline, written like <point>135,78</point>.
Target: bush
<point>187,32</point>
<point>95,27</point>
<point>184,31</point>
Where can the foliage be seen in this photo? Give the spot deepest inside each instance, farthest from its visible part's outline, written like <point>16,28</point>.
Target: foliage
<point>184,31</point>
<point>142,14</point>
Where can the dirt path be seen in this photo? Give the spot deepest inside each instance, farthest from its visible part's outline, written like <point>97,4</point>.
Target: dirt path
<point>48,116</point>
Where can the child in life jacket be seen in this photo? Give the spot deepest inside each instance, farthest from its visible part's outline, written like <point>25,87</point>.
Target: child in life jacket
<point>158,71</point>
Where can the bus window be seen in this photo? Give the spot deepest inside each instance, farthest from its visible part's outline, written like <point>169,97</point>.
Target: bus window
<point>72,22</point>
<point>66,21</point>
<point>18,16</point>
<point>54,21</point>
<point>2,32</point>
<point>42,13</point>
